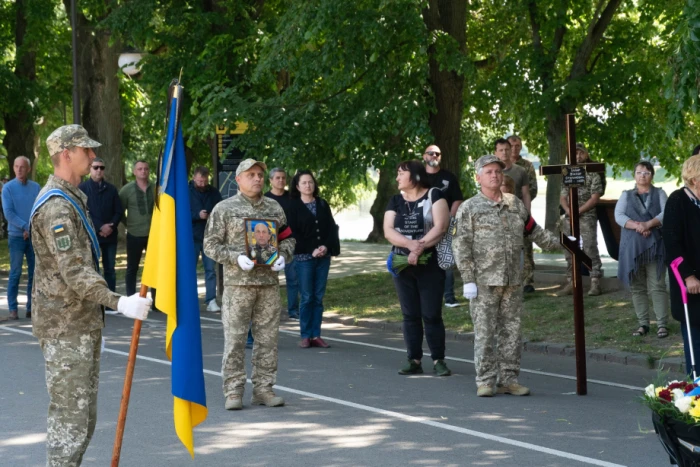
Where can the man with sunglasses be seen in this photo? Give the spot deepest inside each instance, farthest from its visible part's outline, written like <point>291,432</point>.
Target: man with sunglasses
<point>106,210</point>
<point>448,183</point>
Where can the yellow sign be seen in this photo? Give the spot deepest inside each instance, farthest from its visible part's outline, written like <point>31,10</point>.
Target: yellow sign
<point>241,127</point>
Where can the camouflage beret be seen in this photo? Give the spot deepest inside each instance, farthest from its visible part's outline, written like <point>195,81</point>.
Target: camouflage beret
<point>247,164</point>
<point>483,161</point>
<point>69,136</point>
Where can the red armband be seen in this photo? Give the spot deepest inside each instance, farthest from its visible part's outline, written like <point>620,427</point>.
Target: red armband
<point>530,225</point>
<point>285,232</point>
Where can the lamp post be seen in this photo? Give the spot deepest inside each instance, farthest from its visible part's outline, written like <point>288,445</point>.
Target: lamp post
<point>129,62</point>
<point>76,89</point>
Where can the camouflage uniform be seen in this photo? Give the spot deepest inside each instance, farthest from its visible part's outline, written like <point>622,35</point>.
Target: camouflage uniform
<point>487,249</point>
<point>529,263</point>
<point>67,318</point>
<point>588,224</point>
<point>248,295</point>
<point>262,254</point>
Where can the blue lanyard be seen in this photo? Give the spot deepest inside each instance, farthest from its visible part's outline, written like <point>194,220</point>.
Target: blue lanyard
<point>91,232</point>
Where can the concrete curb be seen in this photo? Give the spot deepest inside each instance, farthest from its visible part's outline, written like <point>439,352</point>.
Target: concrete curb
<point>673,364</point>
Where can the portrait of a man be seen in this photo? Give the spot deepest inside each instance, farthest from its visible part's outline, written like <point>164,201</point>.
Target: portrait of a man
<point>261,241</point>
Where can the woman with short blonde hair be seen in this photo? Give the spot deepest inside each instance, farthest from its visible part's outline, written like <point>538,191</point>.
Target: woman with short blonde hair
<point>681,234</point>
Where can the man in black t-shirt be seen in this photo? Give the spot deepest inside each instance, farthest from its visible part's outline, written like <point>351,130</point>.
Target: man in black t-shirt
<point>278,181</point>
<point>448,183</point>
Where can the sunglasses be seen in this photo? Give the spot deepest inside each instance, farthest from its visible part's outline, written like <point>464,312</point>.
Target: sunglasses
<point>433,153</point>
<point>98,167</point>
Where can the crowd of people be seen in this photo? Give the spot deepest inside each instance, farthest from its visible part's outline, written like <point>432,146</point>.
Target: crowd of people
<point>70,226</point>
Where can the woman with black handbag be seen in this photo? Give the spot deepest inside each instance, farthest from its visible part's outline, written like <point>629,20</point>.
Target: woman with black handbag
<point>316,235</point>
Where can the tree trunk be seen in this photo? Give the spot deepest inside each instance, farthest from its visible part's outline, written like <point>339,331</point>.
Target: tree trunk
<point>386,188</point>
<point>448,86</point>
<point>20,136</point>
<point>556,137</point>
<point>98,71</point>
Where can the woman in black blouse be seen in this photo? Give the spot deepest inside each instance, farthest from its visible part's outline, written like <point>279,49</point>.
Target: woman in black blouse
<point>681,234</point>
<point>315,231</point>
<point>419,287</point>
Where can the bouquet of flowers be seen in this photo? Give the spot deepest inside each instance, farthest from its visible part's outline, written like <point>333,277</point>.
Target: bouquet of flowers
<point>678,400</point>
<point>676,418</point>
<point>397,263</point>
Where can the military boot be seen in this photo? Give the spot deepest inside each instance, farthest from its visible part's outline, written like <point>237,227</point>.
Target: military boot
<point>567,290</point>
<point>234,402</point>
<point>266,398</point>
<point>595,288</point>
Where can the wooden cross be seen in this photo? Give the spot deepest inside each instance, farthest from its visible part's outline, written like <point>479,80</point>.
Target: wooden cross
<point>574,176</point>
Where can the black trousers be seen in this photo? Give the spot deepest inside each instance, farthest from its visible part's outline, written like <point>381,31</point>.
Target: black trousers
<point>420,290</point>
<point>134,250</point>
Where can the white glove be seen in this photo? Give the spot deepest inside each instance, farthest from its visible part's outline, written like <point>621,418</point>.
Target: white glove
<point>573,239</point>
<point>469,290</point>
<point>279,264</point>
<point>245,263</point>
<point>135,306</point>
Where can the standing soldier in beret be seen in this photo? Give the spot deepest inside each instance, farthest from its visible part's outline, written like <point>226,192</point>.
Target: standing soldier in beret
<point>490,230</point>
<point>250,293</point>
<point>68,296</point>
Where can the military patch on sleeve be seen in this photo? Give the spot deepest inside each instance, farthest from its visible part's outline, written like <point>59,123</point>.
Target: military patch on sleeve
<point>63,243</point>
<point>58,229</point>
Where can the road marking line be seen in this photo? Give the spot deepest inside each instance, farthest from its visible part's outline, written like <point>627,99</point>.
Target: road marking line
<point>464,360</point>
<point>411,419</point>
<point>397,349</point>
<point>392,414</point>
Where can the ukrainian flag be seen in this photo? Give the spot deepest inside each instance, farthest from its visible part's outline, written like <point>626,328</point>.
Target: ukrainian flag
<point>170,268</point>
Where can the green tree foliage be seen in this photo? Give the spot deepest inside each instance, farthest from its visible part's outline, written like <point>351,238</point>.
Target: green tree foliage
<point>34,75</point>
<point>603,61</point>
<point>683,78</point>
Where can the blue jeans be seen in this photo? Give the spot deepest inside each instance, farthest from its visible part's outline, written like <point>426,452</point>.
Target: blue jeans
<point>695,332</point>
<point>209,271</point>
<point>290,276</point>
<point>313,276</point>
<point>109,259</point>
<point>19,248</point>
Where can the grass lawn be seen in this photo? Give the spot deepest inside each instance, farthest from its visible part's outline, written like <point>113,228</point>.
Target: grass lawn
<point>609,318</point>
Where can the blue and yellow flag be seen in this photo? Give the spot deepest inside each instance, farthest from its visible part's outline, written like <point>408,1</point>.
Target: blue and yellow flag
<point>170,268</point>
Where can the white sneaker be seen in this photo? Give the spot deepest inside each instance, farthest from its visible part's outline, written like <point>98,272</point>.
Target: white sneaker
<point>213,307</point>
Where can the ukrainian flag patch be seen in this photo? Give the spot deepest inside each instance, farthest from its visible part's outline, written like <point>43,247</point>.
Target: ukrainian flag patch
<point>58,229</point>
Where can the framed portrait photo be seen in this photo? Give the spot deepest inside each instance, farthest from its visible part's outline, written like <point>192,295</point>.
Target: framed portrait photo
<point>261,241</point>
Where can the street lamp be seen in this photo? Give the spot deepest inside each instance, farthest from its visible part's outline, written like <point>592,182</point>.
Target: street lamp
<point>129,62</point>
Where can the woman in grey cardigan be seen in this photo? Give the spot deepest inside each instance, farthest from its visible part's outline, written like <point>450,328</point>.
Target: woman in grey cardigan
<point>640,213</point>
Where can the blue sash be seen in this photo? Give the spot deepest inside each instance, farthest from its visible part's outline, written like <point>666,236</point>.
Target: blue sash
<point>95,244</point>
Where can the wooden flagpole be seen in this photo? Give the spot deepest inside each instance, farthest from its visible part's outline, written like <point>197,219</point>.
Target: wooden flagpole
<point>126,392</point>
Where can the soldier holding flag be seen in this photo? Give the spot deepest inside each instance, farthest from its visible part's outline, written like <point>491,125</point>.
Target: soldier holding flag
<point>68,296</point>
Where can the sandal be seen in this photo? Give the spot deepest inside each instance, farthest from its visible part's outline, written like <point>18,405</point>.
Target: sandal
<point>642,331</point>
<point>662,332</point>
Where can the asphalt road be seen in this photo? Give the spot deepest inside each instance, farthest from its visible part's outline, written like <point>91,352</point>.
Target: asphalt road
<point>346,406</point>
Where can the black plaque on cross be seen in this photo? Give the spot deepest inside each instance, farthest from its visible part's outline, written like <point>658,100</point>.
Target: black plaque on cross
<point>574,176</point>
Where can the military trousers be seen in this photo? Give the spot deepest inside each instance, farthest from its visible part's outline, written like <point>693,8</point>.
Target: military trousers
<point>72,366</point>
<point>529,263</point>
<point>497,342</point>
<point>589,233</point>
<point>241,306</point>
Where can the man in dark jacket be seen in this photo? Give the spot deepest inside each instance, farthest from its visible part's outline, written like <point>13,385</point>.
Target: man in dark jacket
<point>203,198</point>
<point>106,211</point>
